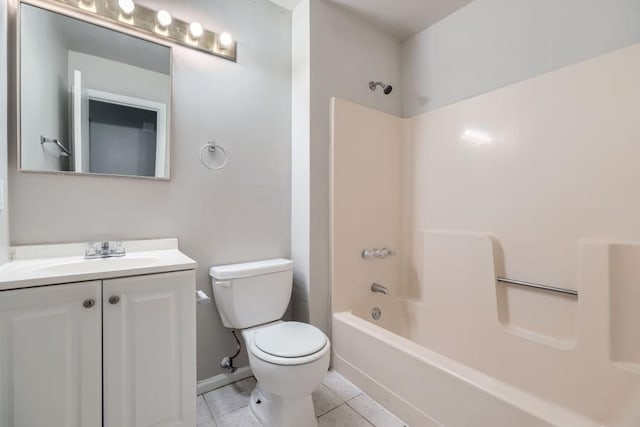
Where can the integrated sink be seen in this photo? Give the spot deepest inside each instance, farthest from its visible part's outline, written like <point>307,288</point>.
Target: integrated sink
<point>78,266</point>
<point>53,264</point>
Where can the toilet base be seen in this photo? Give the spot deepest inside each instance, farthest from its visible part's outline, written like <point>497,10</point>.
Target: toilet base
<point>279,412</point>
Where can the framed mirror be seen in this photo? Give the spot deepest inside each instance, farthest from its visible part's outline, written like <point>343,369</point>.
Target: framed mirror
<point>92,100</point>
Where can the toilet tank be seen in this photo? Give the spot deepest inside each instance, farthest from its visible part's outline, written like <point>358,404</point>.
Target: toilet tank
<point>252,293</point>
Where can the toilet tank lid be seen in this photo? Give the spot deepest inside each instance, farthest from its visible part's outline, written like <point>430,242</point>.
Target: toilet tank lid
<point>249,269</point>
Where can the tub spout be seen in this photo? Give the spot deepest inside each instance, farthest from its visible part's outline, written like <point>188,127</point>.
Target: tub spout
<point>378,288</point>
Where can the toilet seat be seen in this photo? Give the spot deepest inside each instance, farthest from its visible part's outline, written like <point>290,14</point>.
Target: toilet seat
<point>289,343</point>
<point>290,339</point>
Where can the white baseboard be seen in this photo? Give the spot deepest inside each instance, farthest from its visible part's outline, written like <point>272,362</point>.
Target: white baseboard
<point>221,380</point>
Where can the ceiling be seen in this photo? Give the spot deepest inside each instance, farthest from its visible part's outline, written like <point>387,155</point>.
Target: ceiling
<point>399,18</point>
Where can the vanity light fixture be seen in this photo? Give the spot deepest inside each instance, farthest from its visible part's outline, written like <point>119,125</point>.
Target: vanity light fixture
<point>196,30</point>
<point>226,40</point>
<point>127,6</point>
<point>159,24</point>
<point>164,18</point>
<point>87,5</point>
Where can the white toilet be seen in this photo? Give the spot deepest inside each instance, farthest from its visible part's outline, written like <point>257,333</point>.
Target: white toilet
<point>289,359</point>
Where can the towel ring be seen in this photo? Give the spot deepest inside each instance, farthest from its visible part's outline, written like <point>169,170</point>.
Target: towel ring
<point>212,148</point>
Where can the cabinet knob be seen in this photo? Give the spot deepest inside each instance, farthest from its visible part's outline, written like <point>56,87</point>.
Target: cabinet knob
<point>114,299</point>
<point>89,302</point>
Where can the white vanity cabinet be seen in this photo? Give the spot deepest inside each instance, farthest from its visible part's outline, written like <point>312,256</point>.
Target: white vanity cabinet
<point>51,356</point>
<point>123,344</point>
<point>149,350</point>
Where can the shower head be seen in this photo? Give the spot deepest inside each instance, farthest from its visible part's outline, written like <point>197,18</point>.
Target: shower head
<point>385,88</point>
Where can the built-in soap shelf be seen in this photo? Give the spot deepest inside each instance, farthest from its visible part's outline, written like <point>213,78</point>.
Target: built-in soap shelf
<point>612,296</point>
<point>624,305</point>
<point>538,314</point>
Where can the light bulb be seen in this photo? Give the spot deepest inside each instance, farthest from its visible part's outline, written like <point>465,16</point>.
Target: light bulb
<point>164,18</point>
<point>226,40</point>
<point>87,5</point>
<point>196,30</point>
<point>126,6</point>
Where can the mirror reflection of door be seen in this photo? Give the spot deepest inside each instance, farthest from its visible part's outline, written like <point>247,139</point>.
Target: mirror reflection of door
<point>122,139</point>
<point>117,134</point>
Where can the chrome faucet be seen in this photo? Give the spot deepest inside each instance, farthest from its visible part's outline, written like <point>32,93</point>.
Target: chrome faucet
<point>379,289</point>
<point>106,249</point>
<point>377,253</point>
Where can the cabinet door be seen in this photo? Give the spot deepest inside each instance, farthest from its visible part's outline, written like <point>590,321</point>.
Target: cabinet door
<point>149,350</point>
<point>50,356</point>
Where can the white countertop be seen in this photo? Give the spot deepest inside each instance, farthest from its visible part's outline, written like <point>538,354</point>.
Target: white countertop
<point>55,264</point>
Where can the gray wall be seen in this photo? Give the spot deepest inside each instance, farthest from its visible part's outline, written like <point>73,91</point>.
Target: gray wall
<point>4,217</point>
<point>344,54</point>
<point>240,213</point>
<point>301,160</point>
<point>491,43</point>
<point>347,53</point>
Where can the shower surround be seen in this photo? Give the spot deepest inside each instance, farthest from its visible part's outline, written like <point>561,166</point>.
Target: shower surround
<point>535,182</point>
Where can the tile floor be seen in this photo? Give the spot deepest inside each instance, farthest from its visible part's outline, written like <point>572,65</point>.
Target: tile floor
<point>337,402</point>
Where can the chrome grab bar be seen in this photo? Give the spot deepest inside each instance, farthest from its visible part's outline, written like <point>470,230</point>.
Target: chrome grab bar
<point>538,286</point>
<point>379,289</point>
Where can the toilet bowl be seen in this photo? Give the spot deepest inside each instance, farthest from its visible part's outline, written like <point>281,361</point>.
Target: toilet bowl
<point>289,359</point>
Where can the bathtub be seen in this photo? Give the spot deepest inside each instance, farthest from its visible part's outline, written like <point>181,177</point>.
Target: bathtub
<point>425,388</point>
<point>473,352</point>
<point>455,346</point>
